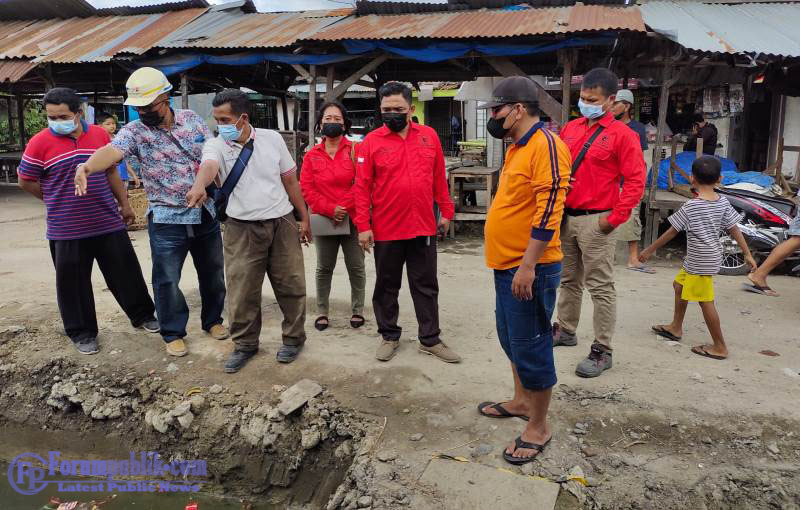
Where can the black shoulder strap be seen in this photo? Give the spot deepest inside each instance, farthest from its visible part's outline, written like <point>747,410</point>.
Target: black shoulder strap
<point>582,154</point>
<point>238,168</point>
<point>181,147</point>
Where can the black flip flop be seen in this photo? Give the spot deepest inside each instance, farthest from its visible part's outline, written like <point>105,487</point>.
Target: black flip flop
<point>320,325</point>
<point>356,321</point>
<point>500,409</point>
<point>700,350</point>
<point>519,443</point>
<point>660,331</point>
<point>764,290</point>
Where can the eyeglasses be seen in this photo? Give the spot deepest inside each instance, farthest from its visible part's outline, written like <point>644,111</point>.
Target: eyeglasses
<point>496,109</point>
<point>150,107</point>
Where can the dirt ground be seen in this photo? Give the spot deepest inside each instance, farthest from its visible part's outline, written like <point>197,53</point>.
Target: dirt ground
<point>663,429</point>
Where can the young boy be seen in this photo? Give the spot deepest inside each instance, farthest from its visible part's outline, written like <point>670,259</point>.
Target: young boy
<point>109,123</point>
<point>702,218</point>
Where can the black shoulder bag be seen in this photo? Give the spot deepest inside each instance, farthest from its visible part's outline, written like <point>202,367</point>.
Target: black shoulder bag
<point>582,154</point>
<point>219,195</point>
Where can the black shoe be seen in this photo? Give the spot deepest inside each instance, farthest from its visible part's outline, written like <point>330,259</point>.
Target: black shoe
<point>87,346</point>
<point>150,325</point>
<point>288,353</point>
<point>237,360</point>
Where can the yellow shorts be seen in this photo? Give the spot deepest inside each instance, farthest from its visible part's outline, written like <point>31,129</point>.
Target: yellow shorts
<point>696,287</point>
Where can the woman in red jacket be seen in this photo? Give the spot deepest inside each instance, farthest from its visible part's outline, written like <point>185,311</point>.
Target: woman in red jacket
<point>327,182</point>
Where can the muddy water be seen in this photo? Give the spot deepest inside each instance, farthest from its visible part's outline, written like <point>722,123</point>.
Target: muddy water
<point>11,500</point>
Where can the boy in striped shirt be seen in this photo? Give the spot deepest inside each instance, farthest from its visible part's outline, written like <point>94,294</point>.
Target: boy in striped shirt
<point>702,218</point>
<point>82,229</point>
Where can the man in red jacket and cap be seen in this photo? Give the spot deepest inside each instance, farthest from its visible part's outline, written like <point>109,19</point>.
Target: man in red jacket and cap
<point>399,175</point>
<point>604,152</point>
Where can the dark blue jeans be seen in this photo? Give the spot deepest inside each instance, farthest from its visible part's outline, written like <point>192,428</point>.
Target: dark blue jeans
<point>169,245</point>
<point>524,327</point>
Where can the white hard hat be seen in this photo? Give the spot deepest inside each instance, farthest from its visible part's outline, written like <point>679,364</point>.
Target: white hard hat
<point>145,85</point>
<point>624,95</point>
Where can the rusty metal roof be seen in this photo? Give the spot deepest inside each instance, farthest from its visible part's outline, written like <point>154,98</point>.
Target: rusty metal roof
<point>234,29</point>
<point>486,23</point>
<point>14,70</point>
<point>94,39</point>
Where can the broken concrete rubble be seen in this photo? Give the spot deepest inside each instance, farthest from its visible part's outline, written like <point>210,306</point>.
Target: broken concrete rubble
<point>296,396</point>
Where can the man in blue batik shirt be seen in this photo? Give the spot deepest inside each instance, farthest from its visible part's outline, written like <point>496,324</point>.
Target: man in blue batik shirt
<point>168,143</point>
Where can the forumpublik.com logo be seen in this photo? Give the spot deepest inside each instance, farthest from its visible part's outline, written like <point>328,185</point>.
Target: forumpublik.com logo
<point>30,474</point>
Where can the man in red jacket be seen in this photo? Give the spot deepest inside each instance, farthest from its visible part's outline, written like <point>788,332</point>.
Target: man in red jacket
<point>594,208</point>
<point>399,175</point>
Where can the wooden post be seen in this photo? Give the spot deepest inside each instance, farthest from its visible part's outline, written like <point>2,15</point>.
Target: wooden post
<point>329,74</point>
<point>21,120</point>
<point>566,85</point>
<point>653,215</point>
<point>184,91</point>
<point>284,106</point>
<point>11,119</point>
<point>312,104</point>
<point>356,76</point>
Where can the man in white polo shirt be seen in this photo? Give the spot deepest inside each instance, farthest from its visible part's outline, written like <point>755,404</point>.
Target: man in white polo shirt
<point>261,234</point>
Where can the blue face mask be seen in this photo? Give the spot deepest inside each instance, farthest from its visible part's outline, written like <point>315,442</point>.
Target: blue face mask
<point>62,127</point>
<point>590,111</point>
<point>228,132</point>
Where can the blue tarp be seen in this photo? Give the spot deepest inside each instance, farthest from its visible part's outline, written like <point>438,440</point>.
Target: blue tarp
<point>441,51</point>
<point>183,62</point>
<point>730,174</point>
<point>424,52</point>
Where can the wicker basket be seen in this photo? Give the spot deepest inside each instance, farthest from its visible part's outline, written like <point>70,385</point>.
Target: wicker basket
<point>138,200</point>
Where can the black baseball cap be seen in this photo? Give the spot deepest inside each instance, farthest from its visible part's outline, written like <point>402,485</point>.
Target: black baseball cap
<point>513,89</point>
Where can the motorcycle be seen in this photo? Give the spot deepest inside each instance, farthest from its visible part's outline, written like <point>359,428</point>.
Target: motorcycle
<point>765,224</point>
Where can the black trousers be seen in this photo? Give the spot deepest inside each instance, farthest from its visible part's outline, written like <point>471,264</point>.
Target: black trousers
<point>419,257</point>
<point>74,260</point>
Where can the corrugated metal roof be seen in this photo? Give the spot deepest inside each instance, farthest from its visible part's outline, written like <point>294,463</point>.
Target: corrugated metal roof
<point>364,7</point>
<point>43,9</point>
<point>770,28</point>
<point>94,39</point>
<point>14,70</point>
<point>486,23</point>
<point>155,8</point>
<point>235,29</point>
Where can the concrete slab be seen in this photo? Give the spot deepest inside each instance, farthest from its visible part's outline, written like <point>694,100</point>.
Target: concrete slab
<point>472,486</point>
<point>295,397</point>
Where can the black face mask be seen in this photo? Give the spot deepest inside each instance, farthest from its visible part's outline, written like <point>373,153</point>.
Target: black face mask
<point>395,121</point>
<point>495,127</point>
<point>332,129</point>
<point>151,118</point>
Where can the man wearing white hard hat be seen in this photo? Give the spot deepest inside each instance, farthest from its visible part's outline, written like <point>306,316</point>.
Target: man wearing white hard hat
<point>169,144</point>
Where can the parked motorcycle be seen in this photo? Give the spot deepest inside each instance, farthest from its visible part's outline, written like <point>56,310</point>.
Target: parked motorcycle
<point>765,225</point>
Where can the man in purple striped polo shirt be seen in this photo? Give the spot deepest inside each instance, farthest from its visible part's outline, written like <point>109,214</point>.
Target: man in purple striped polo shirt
<point>82,229</point>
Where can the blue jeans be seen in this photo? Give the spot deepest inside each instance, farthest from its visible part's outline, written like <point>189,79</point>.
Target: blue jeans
<point>524,327</point>
<point>169,245</point>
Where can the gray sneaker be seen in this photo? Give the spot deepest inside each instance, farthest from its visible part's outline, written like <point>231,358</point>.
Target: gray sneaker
<point>87,346</point>
<point>150,325</point>
<point>598,361</point>
<point>563,337</point>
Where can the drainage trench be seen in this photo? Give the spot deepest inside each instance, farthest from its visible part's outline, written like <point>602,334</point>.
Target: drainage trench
<point>246,453</point>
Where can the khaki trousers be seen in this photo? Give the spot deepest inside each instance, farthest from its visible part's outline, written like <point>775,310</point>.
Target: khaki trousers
<point>327,252</point>
<point>588,261</point>
<point>251,250</point>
